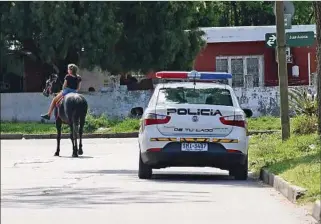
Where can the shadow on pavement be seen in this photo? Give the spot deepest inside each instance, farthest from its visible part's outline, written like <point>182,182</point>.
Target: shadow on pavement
<point>79,157</point>
<point>71,196</point>
<point>180,177</point>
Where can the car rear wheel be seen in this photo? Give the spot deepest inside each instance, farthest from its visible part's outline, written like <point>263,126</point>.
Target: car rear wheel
<point>144,171</point>
<point>240,172</point>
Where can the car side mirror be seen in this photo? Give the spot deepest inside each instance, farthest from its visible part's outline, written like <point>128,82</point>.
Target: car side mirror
<point>248,112</point>
<point>137,111</point>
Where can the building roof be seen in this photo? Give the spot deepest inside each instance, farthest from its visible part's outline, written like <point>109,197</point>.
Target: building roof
<point>247,33</point>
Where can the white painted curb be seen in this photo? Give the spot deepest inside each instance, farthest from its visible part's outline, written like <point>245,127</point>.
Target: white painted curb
<point>316,213</point>
<point>291,192</point>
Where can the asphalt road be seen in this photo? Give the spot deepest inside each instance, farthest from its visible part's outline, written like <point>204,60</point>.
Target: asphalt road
<point>102,187</point>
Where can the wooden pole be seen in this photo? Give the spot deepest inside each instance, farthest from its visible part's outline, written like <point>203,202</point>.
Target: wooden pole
<point>317,13</point>
<point>282,70</point>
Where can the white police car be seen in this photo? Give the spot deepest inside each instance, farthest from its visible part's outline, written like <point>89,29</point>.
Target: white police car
<point>190,123</point>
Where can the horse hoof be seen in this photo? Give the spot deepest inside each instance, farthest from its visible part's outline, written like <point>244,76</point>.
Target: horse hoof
<point>74,155</point>
<point>80,152</point>
<point>56,154</point>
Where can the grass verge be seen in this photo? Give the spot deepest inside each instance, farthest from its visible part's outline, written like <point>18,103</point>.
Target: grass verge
<point>297,160</point>
<point>264,123</point>
<point>101,124</point>
<point>93,125</point>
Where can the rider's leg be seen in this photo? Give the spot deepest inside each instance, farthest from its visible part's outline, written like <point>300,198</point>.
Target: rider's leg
<point>53,103</point>
<point>52,106</point>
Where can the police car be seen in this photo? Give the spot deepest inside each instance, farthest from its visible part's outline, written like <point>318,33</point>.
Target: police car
<point>193,120</point>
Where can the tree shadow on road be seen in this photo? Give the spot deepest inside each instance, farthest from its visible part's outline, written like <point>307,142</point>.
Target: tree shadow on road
<point>180,177</point>
<point>160,190</point>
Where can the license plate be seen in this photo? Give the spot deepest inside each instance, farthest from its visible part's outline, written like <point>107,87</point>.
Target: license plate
<point>194,147</point>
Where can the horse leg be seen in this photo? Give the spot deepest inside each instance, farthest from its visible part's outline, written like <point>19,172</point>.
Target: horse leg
<point>74,153</point>
<point>81,129</point>
<point>58,127</point>
<point>75,132</point>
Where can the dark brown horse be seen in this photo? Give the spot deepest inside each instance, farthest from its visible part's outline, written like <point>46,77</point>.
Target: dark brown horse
<point>71,110</point>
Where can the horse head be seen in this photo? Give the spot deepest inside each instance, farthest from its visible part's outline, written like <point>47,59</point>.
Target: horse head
<point>49,87</point>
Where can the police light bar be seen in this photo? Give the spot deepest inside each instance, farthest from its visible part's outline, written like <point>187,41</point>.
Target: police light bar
<point>193,75</point>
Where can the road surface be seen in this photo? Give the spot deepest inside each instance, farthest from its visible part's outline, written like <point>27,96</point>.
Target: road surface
<point>102,187</point>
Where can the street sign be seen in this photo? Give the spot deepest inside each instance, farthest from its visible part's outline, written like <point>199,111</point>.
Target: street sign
<point>293,39</point>
<point>300,39</point>
<point>287,21</point>
<point>270,40</point>
<point>288,8</point>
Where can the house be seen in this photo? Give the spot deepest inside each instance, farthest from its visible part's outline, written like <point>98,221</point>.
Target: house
<point>242,51</point>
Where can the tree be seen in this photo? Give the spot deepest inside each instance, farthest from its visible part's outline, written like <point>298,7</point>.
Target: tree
<point>156,36</point>
<point>57,31</point>
<point>317,12</point>
<point>116,36</point>
<point>248,13</point>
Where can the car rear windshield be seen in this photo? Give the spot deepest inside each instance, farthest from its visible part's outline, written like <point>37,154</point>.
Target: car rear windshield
<point>211,96</point>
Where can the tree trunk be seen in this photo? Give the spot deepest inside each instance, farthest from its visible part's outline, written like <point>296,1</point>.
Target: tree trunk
<point>317,10</point>
<point>236,15</point>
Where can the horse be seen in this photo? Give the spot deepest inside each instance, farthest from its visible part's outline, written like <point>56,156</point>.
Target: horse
<point>71,110</point>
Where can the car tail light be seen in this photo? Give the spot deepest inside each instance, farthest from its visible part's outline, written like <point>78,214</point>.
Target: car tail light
<point>154,150</point>
<point>233,151</point>
<point>235,120</point>
<point>156,119</point>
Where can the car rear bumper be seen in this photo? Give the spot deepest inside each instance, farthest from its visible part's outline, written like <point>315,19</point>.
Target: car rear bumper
<point>172,156</point>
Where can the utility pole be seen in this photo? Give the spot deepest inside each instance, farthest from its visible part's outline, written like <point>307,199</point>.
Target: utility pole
<point>282,70</point>
<point>317,13</point>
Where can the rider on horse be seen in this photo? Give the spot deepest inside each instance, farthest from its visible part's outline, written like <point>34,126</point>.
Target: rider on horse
<point>71,85</point>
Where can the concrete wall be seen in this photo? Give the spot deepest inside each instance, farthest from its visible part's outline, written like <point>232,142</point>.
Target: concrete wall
<point>117,102</point>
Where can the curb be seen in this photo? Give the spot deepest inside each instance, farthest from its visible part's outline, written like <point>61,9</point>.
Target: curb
<point>66,136</point>
<point>11,136</point>
<point>93,135</point>
<point>291,192</point>
<point>316,213</point>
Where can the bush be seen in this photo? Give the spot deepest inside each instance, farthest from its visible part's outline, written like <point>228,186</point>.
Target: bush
<point>126,125</point>
<point>302,102</point>
<point>304,124</point>
<point>94,122</point>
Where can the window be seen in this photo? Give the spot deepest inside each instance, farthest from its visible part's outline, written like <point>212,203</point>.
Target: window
<point>181,95</point>
<point>247,71</point>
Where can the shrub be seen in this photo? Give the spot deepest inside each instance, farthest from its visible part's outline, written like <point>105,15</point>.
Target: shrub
<point>94,122</point>
<point>302,103</point>
<point>127,125</point>
<point>304,124</point>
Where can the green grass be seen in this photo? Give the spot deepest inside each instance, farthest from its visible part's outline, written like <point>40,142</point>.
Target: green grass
<point>264,123</point>
<point>102,124</point>
<point>92,125</point>
<point>27,127</point>
<point>297,160</point>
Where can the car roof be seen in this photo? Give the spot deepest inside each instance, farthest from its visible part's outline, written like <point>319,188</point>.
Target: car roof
<point>198,85</point>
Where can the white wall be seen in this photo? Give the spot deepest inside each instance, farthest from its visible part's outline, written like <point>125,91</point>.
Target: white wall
<point>118,102</point>
<point>29,106</point>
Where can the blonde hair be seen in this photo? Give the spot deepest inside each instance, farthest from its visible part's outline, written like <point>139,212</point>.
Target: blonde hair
<point>73,68</point>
